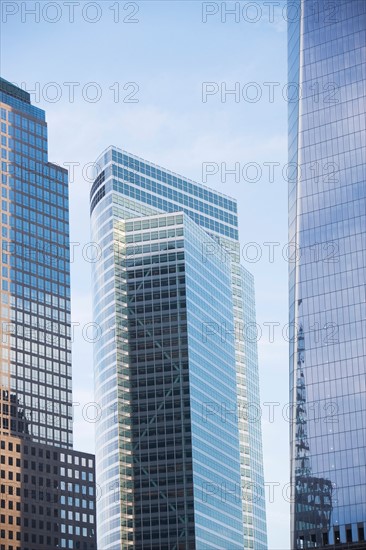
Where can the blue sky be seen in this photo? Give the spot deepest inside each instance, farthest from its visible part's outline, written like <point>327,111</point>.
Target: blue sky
<point>168,55</point>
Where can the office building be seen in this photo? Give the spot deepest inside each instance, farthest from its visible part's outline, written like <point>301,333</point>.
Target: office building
<point>47,497</point>
<point>179,464</point>
<point>327,225</point>
<point>35,368</point>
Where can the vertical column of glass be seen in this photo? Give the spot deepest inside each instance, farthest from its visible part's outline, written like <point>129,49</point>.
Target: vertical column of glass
<point>294,64</point>
<point>327,296</point>
<point>254,513</point>
<point>213,395</point>
<point>124,396</point>
<point>114,456</point>
<point>163,490</point>
<point>6,299</point>
<point>255,462</point>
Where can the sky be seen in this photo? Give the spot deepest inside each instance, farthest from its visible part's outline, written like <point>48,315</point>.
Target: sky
<point>193,88</point>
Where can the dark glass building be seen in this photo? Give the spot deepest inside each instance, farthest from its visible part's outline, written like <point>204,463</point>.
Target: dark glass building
<point>327,225</point>
<point>35,367</point>
<point>178,462</point>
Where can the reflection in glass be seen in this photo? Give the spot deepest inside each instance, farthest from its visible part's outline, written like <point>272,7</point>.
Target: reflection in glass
<point>313,495</point>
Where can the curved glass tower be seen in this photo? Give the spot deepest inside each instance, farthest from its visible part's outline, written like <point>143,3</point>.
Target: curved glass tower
<point>327,225</point>
<point>179,464</point>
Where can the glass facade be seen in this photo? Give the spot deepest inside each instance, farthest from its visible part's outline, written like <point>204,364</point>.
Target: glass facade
<point>327,225</point>
<point>47,490</point>
<point>35,279</point>
<point>127,188</point>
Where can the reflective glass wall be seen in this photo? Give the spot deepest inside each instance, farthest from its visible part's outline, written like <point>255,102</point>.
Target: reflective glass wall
<point>35,280</point>
<point>128,187</point>
<point>48,495</point>
<point>327,224</point>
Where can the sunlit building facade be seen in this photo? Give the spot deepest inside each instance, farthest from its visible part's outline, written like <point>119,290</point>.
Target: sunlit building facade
<point>327,226</point>
<point>46,487</point>
<point>173,373</point>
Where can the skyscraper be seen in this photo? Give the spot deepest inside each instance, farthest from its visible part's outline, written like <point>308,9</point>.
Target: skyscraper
<point>47,489</point>
<point>178,462</point>
<point>327,225</point>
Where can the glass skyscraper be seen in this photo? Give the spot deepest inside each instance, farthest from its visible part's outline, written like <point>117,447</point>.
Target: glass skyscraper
<point>35,275</point>
<point>47,490</point>
<point>179,464</point>
<point>327,225</point>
